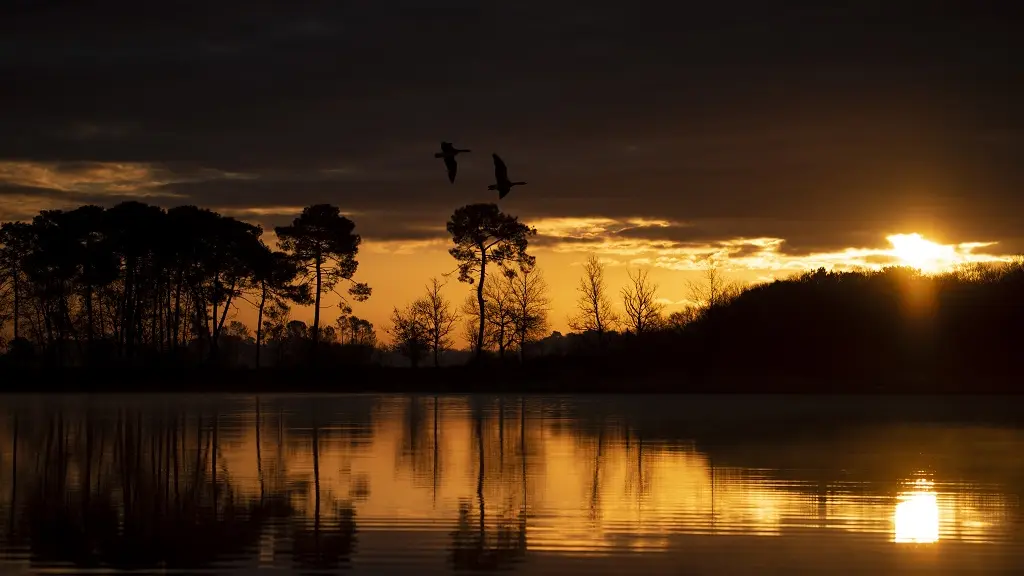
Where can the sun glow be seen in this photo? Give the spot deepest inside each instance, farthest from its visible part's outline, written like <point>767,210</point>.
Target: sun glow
<point>915,251</point>
<point>916,519</point>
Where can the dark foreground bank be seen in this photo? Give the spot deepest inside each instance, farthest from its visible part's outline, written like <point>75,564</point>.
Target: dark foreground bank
<point>593,376</point>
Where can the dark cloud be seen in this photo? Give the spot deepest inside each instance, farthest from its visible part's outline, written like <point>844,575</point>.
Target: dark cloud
<point>827,126</point>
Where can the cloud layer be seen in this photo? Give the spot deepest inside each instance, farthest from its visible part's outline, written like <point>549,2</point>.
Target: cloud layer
<point>774,134</point>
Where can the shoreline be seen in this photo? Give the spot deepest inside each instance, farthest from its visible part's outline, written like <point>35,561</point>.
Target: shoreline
<point>589,380</point>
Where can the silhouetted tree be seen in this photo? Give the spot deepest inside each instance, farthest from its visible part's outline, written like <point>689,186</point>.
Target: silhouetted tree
<point>89,252</point>
<point>228,267</point>
<point>715,290</point>
<point>529,303</point>
<point>470,323</point>
<point>439,318</point>
<point>15,246</point>
<point>594,305</point>
<point>355,331</point>
<point>329,335</point>
<point>482,234</point>
<point>500,320</point>
<point>680,319</point>
<point>640,302</point>
<point>409,333</point>
<point>273,329</point>
<point>323,242</point>
<point>274,277</point>
<point>136,281</point>
<point>499,323</point>
<point>236,329</point>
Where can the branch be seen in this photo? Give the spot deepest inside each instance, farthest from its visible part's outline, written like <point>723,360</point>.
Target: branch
<point>447,275</point>
<point>242,297</point>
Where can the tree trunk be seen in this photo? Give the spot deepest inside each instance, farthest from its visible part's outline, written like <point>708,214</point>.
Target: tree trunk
<point>17,306</point>
<point>316,304</point>
<point>88,315</point>
<point>168,315</point>
<point>213,328</point>
<point>218,324</point>
<point>259,323</point>
<point>126,336</point>
<point>177,308</point>
<point>153,312</point>
<point>480,303</point>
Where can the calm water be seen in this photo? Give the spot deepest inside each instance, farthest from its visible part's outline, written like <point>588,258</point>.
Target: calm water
<point>425,485</point>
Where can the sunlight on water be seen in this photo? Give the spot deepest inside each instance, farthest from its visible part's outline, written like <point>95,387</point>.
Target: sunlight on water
<point>365,482</point>
<point>916,518</point>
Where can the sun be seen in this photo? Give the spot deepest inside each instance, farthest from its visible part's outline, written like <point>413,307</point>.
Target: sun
<point>917,252</point>
<point>917,516</point>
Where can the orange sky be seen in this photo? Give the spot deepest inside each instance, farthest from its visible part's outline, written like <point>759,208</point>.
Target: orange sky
<point>398,271</point>
<point>814,132</point>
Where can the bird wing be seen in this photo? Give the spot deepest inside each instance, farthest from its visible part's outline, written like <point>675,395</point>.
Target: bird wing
<point>500,170</point>
<point>453,167</point>
<point>447,147</point>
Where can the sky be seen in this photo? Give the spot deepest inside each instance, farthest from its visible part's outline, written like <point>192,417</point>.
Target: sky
<point>774,137</point>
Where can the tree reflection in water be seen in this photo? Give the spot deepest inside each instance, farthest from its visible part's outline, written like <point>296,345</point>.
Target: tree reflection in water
<point>190,485</point>
<point>472,547</point>
<point>327,545</point>
<point>124,514</point>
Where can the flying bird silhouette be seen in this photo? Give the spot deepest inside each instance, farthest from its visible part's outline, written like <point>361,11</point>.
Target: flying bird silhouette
<point>448,152</point>
<point>501,181</point>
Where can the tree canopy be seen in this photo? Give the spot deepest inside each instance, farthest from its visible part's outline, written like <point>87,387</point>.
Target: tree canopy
<point>483,234</point>
<point>325,245</point>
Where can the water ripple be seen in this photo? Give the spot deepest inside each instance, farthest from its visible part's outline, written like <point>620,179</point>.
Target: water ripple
<point>423,484</point>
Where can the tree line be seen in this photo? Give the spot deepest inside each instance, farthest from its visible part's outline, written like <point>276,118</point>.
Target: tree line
<point>139,284</point>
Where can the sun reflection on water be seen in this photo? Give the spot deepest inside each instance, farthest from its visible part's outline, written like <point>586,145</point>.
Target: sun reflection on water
<point>481,479</point>
<point>916,517</point>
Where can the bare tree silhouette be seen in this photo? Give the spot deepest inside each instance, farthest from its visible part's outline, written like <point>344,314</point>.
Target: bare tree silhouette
<point>643,312</point>
<point>15,246</point>
<point>410,333</point>
<point>715,290</point>
<point>530,304</point>
<point>594,305</point>
<point>440,319</point>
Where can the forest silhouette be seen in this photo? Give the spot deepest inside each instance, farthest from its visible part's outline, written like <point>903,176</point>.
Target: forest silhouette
<point>140,297</point>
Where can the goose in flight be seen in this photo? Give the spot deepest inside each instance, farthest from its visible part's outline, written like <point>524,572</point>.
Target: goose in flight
<point>448,152</point>
<point>501,181</point>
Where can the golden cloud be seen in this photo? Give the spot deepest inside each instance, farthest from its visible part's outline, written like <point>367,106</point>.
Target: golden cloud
<point>15,207</point>
<point>101,178</point>
<point>264,211</point>
<point>598,236</point>
<point>404,247</point>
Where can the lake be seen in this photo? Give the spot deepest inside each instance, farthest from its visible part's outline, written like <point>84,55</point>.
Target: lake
<point>393,484</point>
